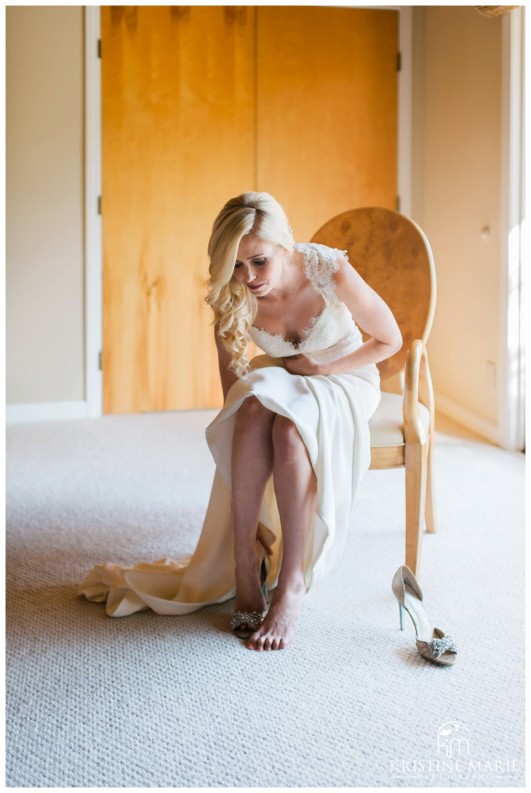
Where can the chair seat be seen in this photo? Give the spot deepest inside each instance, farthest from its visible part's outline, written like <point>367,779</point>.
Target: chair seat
<point>387,424</point>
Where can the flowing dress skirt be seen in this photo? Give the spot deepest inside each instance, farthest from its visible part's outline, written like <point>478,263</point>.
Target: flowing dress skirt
<point>331,414</point>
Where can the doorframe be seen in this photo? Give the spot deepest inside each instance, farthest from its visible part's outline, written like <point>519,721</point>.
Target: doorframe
<point>93,182</point>
<point>405,109</point>
<point>93,225</point>
<point>512,392</point>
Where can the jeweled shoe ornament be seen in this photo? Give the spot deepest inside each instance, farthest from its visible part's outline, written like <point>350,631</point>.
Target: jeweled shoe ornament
<point>250,619</point>
<point>440,646</point>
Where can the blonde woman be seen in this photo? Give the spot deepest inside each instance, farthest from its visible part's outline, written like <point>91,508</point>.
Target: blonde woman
<point>291,442</point>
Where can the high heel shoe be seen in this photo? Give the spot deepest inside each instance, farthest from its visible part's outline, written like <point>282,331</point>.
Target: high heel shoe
<point>432,643</point>
<point>244,623</point>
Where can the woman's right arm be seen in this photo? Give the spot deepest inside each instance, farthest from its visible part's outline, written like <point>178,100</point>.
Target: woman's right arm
<point>227,376</point>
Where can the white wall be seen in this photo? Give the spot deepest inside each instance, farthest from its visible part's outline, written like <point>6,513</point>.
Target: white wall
<point>456,194</point>
<point>457,200</point>
<point>45,195</point>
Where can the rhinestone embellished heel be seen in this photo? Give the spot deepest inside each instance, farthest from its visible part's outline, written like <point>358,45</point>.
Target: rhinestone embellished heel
<point>244,623</point>
<point>432,643</point>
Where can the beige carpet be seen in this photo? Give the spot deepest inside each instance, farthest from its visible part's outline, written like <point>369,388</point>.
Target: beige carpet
<point>150,701</point>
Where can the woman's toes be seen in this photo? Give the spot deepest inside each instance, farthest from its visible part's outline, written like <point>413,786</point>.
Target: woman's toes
<point>254,641</point>
<point>262,643</point>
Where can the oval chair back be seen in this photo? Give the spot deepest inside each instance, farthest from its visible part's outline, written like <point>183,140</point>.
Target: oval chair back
<point>393,255</point>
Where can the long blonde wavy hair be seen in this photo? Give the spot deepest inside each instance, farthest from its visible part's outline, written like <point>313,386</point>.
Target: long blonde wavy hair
<point>234,306</point>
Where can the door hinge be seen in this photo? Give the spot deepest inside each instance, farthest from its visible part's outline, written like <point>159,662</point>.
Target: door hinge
<point>99,360</point>
<point>99,48</point>
<point>399,61</point>
<point>398,203</point>
<point>99,205</point>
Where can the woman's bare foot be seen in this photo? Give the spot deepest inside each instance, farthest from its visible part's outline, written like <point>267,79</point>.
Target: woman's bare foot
<point>278,628</point>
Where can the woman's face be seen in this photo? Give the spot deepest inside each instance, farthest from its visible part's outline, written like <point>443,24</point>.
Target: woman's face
<point>259,265</point>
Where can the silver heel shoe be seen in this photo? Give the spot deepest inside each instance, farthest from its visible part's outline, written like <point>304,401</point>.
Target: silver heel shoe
<point>432,643</point>
<point>244,623</point>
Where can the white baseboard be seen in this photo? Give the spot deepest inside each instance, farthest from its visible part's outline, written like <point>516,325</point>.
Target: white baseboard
<point>468,418</point>
<point>57,411</point>
<point>46,411</point>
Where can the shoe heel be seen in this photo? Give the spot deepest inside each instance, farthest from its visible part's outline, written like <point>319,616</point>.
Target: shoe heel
<point>401,613</point>
<point>264,571</point>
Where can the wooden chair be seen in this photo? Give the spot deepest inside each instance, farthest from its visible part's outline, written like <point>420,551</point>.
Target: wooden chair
<point>393,255</point>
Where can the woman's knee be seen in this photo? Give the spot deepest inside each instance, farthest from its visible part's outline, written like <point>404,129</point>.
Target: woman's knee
<point>286,437</point>
<point>251,411</point>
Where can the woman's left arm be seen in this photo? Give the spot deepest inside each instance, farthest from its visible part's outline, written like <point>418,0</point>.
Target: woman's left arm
<point>371,313</point>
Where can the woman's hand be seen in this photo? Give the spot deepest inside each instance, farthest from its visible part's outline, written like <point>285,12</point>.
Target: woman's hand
<point>302,364</point>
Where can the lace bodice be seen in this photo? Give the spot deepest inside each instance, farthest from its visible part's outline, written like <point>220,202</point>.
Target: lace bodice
<point>326,328</point>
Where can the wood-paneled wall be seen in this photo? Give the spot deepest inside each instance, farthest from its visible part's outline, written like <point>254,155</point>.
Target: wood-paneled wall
<point>203,103</point>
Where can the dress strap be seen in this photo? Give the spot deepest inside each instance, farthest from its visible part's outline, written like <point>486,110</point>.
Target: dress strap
<point>320,263</point>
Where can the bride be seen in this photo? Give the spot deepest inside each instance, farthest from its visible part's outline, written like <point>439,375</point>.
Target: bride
<point>292,440</point>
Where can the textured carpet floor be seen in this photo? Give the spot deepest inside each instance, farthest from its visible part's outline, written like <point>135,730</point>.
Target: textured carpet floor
<point>149,701</point>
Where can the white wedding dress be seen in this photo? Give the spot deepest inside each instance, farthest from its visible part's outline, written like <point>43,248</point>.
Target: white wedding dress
<point>331,414</point>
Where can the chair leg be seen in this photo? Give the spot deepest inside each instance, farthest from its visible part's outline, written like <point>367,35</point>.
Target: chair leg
<point>416,476</point>
<point>429,400</point>
<point>431,523</point>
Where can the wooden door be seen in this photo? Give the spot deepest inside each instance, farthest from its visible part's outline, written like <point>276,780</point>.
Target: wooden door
<point>200,104</point>
<point>178,140</point>
<point>327,110</point>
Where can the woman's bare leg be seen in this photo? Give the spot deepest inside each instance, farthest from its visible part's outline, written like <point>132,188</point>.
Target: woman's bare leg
<point>252,463</point>
<point>295,489</point>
